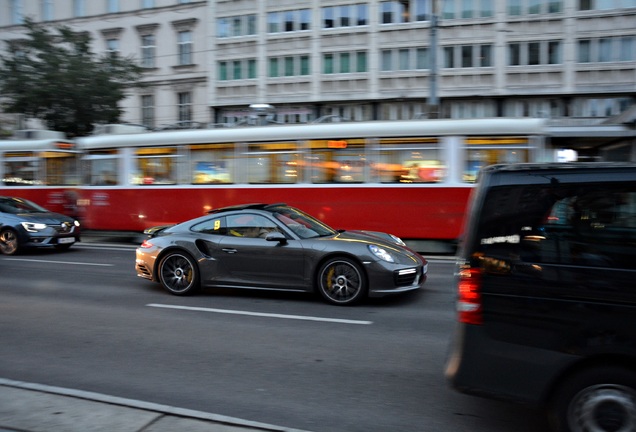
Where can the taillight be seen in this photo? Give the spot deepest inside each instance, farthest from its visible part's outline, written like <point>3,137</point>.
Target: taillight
<point>146,244</point>
<point>469,301</point>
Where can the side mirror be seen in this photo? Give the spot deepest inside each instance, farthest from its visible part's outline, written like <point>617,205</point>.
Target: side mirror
<point>276,236</point>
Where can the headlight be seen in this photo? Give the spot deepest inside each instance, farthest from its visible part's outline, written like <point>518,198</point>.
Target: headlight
<point>76,223</point>
<point>33,227</point>
<point>381,253</point>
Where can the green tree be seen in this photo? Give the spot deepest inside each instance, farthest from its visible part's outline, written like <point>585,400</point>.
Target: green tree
<point>54,76</point>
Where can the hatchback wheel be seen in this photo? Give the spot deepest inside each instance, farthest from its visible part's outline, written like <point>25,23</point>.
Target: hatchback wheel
<point>596,400</point>
<point>178,273</point>
<point>341,281</point>
<point>9,242</point>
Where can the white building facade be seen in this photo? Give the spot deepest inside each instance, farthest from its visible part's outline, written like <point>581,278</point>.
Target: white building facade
<point>207,61</point>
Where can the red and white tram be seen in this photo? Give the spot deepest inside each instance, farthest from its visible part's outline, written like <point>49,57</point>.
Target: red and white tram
<point>410,178</point>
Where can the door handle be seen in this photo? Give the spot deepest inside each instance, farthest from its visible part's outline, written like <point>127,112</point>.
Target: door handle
<point>229,250</point>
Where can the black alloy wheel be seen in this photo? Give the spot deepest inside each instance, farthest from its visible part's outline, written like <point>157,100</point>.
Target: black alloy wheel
<point>178,273</point>
<point>341,281</point>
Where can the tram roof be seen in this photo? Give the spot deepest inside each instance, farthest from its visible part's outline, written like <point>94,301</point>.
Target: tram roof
<point>36,145</point>
<point>406,128</point>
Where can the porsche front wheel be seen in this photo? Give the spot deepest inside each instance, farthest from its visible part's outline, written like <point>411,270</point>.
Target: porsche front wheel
<point>342,281</point>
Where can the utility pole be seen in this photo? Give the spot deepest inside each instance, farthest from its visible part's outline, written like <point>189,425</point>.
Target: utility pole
<point>433,101</point>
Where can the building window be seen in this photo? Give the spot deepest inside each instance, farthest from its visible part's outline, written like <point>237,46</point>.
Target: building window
<point>421,58</point>
<point>148,111</point>
<point>554,52</point>
<point>605,4</point>
<point>514,54</point>
<point>79,8</point>
<point>112,47</point>
<point>251,68</point>
<point>223,71</point>
<point>403,59</point>
<point>387,60</point>
<point>304,66</point>
<point>449,57</point>
<point>534,7</point>
<point>47,10</point>
<point>184,42</point>
<point>273,67</point>
<point>17,15</point>
<point>112,6</point>
<point>148,49</point>
<point>361,61</point>
<point>448,9</point>
<point>251,25</point>
<point>185,107</point>
<point>607,49</point>
<point>327,64</point>
<point>362,14</point>
<point>289,21</point>
<point>273,22</point>
<point>237,70</point>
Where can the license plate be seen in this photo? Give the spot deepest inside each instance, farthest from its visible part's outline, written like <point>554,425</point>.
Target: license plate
<point>66,240</point>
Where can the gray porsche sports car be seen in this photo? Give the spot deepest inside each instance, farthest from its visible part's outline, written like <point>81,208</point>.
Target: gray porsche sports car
<point>277,247</point>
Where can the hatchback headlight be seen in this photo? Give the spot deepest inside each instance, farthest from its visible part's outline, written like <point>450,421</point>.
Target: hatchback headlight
<point>381,253</point>
<point>33,227</point>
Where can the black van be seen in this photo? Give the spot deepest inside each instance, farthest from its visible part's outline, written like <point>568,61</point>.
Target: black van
<point>546,281</point>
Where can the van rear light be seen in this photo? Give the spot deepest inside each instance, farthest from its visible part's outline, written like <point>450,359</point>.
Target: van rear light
<point>469,301</point>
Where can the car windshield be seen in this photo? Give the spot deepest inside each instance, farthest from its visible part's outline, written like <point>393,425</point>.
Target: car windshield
<point>19,206</point>
<point>301,223</point>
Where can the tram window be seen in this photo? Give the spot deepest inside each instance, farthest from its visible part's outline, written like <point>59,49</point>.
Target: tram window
<point>337,161</point>
<point>212,165</point>
<point>272,163</point>
<point>155,166</point>
<point>476,159</point>
<point>61,168</point>
<point>410,161</point>
<point>21,170</point>
<point>100,168</point>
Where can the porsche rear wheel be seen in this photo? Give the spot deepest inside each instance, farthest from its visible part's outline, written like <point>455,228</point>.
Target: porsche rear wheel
<point>9,242</point>
<point>341,281</point>
<point>178,273</point>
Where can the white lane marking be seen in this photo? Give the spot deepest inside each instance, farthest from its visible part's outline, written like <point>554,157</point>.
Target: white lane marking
<point>59,262</point>
<point>260,314</point>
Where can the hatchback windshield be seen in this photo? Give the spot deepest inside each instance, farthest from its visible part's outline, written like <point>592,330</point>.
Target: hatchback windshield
<point>301,223</point>
<point>19,205</point>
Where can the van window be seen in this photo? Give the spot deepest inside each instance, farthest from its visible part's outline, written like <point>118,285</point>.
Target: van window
<point>591,225</point>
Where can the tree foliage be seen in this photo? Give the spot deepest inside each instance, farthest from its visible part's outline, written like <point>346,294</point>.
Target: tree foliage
<point>54,76</point>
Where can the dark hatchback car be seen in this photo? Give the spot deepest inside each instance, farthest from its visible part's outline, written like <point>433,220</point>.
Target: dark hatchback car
<point>24,224</point>
<point>277,247</point>
<point>547,293</point>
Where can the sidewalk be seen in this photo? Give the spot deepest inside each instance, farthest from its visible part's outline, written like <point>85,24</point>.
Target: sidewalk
<point>26,407</point>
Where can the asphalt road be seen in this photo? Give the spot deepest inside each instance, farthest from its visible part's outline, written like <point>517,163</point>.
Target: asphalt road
<point>82,319</point>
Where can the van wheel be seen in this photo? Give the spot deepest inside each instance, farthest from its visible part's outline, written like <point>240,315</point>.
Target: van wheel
<point>600,400</point>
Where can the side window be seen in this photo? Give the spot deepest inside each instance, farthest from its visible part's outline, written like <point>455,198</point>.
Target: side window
<point>591,225</point>
<point>249,225</point>
<point>595,227</point>
<point>214,226</point>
